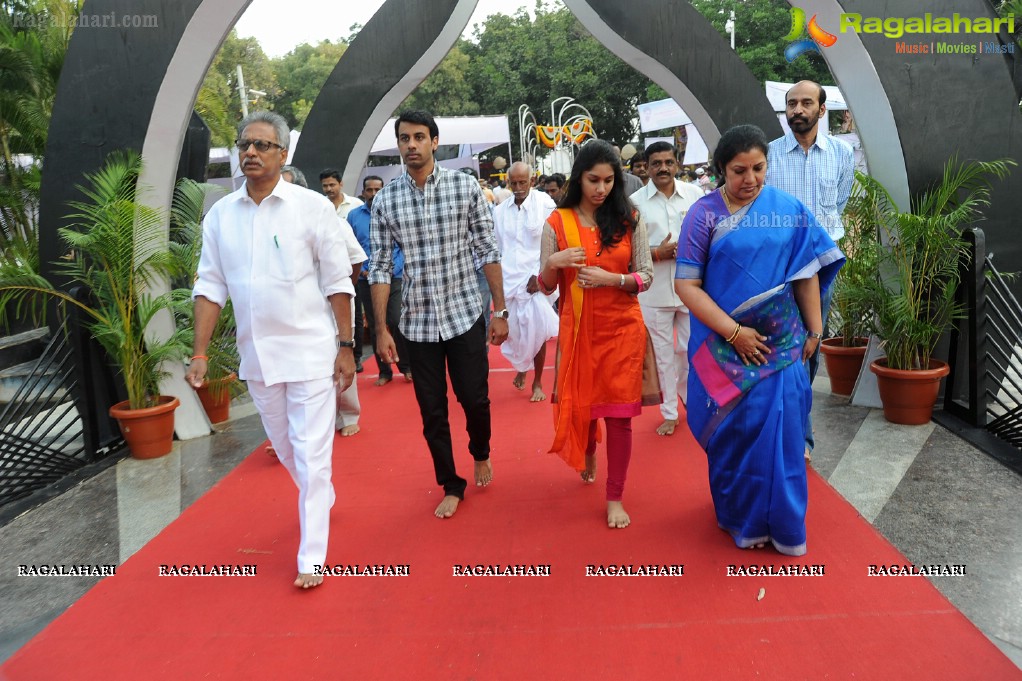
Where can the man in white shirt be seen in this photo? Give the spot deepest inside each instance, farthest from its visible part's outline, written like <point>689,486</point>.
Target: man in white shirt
<point>518,226</point>
<point>333,189</point>
<point>274,248</point>
<point>330,181</point>
<point>663,204</point>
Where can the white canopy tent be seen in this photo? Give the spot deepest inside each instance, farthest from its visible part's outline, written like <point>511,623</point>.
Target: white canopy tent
<point>776,91</point>
<point>474,134</point>
<point>665,113</point>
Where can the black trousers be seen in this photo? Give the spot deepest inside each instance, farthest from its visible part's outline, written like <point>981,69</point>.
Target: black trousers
<point>361,302</point>
<point>468,365</point>
<point>362,292</point>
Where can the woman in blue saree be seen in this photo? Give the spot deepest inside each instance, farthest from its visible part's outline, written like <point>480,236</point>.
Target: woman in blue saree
<point>752,266</point>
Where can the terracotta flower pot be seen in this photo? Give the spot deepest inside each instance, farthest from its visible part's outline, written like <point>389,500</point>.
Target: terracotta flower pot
<point>843,364</point>
<point>908,396</point>
<point>217,403</point>
<point>149,432</point>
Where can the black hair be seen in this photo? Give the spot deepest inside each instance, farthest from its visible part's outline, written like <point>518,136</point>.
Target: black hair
<point>661,147</point>
<point>542,180</point>
<point>417,117</point>
<point>617,214</point>
<point>469,171</point>
<point>737,140</point>
<point>367,178</point>
<point>330,172</point>
<point>558,178</point>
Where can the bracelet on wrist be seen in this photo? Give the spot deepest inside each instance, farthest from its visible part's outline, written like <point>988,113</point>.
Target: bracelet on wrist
<point>195,357</point>
<point>734,336</point>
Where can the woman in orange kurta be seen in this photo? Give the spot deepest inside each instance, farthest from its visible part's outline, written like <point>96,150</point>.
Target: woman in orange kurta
<point>596,252</point>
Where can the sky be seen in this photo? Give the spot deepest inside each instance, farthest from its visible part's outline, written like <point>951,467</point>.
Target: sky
<point>281,26</point>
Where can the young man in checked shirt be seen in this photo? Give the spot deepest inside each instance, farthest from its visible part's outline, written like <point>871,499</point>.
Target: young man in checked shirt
<point>440,219</point>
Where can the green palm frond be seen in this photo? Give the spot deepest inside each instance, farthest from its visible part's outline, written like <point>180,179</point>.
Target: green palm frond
<point>190,198</point>
<point>912,290</point>
<point>118,250</point>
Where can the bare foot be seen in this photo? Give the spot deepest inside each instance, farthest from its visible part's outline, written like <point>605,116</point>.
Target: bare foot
<point>484,473</point>
<point>447,507</point>
<point>306,580</point>
<point>271,451</point>
<point>667,427</point>
<point>519,382</point>
<point>809,454</point>
<point>383,380</point>
<point>589,474</point>
<point>408,376</point>
<point>537,393</point>
<point>348,431</point>
<point>616,516</point>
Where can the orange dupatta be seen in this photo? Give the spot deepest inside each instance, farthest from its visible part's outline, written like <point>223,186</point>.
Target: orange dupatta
<point>571,413</point>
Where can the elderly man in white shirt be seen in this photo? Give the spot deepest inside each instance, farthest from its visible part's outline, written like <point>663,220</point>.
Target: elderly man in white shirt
<point>518,226</point>
<point>663,203</point>
<point>275,249</point>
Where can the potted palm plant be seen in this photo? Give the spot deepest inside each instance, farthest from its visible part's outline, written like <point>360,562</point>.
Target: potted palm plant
<point>913,292</point>
<point>221,382</point>
<point>850,310</point>
<point>117,251</point>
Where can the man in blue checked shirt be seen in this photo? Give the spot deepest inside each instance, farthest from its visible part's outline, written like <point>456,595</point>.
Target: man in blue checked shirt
<point>817,169</point>
<point>442,222</point>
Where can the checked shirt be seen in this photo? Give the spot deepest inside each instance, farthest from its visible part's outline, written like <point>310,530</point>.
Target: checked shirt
<point>439,228</point>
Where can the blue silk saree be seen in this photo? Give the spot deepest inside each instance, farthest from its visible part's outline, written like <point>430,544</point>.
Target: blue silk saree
<point>751,419</point>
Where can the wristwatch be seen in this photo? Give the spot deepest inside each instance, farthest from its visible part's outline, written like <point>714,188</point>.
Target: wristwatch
<point>817,336</point>
<point>346,344</point>
<point>502,314</point>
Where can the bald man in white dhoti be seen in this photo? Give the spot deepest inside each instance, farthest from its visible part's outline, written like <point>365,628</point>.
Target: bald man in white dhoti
<point>518,226</point>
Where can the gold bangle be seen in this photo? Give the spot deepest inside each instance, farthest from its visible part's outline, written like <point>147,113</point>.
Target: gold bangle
<point>734,336</point>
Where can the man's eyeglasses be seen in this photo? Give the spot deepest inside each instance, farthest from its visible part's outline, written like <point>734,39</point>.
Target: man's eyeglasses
<point>260,145</point>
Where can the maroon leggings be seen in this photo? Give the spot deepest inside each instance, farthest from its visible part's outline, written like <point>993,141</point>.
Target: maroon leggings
<point>619,452</point>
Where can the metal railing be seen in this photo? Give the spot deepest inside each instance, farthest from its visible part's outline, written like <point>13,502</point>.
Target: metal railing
<point>984,388</point>
<point>56,422</point>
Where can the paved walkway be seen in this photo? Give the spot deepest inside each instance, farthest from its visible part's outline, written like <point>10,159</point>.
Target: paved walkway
<point>934,496</point>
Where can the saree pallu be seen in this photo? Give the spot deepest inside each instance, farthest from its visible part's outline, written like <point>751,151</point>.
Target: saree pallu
<point>751,420</point>
<point>601,344</point>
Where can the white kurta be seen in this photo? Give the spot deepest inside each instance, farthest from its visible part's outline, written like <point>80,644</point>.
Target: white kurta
<point>531,318</point>
<point>665,316</point>
<point>278,261</point>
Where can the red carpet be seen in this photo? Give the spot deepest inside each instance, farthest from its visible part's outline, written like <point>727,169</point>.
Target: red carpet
<point>433,625</point>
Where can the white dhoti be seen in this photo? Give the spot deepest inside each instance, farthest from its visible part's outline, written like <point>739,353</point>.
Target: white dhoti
<point>531,321</point>
<point>348,406</point>
<point>669,330</point>
<point>299,420</point>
